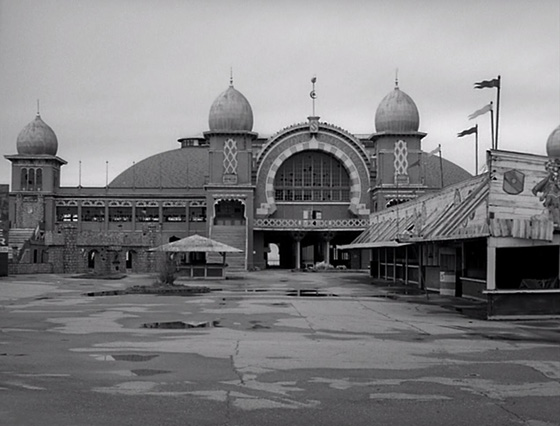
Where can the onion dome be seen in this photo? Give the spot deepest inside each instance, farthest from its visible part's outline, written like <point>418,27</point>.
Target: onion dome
<point>397,113</point>
<point>37,138</point>
<point>231,111</point>
<point>553,144</point>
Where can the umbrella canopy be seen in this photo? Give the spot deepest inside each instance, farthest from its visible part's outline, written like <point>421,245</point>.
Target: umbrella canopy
<point>197,243</point>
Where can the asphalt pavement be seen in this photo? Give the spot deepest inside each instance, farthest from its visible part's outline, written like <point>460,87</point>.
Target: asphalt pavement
<point>267,348</point>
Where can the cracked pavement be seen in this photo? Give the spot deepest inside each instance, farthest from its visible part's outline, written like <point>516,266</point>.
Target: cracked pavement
<point>346,355</point>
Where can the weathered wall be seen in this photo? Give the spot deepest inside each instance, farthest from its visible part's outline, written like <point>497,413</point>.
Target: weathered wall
<point>30,268</point>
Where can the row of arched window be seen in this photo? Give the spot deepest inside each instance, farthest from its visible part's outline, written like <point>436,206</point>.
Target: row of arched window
<point>313,177</point>
<point>31,179</point>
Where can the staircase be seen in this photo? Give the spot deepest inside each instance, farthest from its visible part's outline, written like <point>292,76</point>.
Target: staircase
<point>17,238</point>
<point>232,236</point>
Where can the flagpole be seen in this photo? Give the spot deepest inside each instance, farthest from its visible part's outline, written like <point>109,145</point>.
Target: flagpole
<point>476,150</point>
<point>440,165</point>
<point>498,108</point>
<point>492,125</point>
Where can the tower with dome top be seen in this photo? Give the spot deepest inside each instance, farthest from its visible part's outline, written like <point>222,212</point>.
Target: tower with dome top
<point>229,190</point>
<point>399,175</point>
<point>35,175</point>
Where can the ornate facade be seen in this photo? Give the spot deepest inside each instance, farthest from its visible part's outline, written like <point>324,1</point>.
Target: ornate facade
<point>301,192</point>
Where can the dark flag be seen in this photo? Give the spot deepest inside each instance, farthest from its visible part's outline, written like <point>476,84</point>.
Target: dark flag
<point>485,84</point>
<point>467,132</point>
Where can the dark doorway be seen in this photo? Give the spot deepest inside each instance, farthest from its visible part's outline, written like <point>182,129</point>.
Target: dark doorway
<point>91,259</point>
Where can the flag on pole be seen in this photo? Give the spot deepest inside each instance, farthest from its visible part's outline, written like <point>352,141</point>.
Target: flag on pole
<point>483,110</point>
<point>435,151</point>
<point>486,84</point>
<point>428,154</point>
<point>467,132</point>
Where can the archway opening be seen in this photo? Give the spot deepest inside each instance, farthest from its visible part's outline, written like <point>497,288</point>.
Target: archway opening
<point>91,258</point>
<point>273,256</point>
<point>130,260</point>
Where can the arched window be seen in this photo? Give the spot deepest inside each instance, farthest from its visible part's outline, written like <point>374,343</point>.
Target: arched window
<point>31,180</point>
<point>39,179</point>
<point>312,176</point>
<point>23,179</point>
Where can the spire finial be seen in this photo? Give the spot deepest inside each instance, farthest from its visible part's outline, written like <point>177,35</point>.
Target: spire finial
<point>38,110</point>
<point>396,78</point>
<point>313,94</point>
<point>231,76</point>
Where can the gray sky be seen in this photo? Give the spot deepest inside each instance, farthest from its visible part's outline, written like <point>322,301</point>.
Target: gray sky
<point>120,80</point>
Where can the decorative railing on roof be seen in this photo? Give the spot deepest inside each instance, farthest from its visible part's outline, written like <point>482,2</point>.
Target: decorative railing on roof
<point>331,224</point>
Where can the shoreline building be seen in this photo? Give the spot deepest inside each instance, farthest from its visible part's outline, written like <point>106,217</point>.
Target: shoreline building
<point>307,189</point>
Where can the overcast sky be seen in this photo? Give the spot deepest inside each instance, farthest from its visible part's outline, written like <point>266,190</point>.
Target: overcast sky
<point>120,80</point>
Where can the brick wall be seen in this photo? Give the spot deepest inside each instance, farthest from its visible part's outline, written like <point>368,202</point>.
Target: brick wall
<point>30,268</point>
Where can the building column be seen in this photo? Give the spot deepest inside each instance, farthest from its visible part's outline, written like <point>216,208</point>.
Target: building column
<point>491,268</point>
<point>298,254</point>
<point>298,236</point>
<point>327,237</point>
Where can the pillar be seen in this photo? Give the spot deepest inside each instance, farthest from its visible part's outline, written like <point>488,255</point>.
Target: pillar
<point>491,268</point>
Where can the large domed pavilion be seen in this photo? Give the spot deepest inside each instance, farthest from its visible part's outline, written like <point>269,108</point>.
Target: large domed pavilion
<point>306,189</point>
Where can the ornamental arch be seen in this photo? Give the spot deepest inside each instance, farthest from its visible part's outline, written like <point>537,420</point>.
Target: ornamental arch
<point>329,140</point>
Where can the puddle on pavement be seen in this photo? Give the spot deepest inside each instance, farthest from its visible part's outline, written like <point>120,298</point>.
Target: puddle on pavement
<point>157,290</point>
<point>309,293</point>
<point>145,372</point>
<point>178,325</point>
<point>133,357</point>
<point>258,326</point>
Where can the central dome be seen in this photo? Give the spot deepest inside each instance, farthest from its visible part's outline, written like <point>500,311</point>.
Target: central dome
<point>231,111</point>
<point>397,113</point>
<point>37,138</point>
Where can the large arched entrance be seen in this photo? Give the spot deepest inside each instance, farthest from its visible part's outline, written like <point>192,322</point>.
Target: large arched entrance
<point>311,194</point>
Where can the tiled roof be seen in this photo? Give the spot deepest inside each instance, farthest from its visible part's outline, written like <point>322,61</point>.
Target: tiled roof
<point>178,168</point>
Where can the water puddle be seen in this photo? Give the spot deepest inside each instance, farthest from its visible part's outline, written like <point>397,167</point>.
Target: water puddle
<point>145,372</point>
<point>157,290</point>
<point>133,357</point>
<point>309,293</point>
<point>178,325</point>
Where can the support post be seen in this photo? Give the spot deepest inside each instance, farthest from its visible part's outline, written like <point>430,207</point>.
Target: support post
<point>490,267</point>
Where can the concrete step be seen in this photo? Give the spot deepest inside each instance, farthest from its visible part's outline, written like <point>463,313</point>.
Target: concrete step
<point>18,236</point>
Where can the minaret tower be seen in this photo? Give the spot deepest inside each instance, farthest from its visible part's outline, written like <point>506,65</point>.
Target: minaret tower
<point>397,144</point>
<point>230,191</point>
<point>35,175</point>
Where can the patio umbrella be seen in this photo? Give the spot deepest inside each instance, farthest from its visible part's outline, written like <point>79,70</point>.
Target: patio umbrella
<point>196,243</point>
